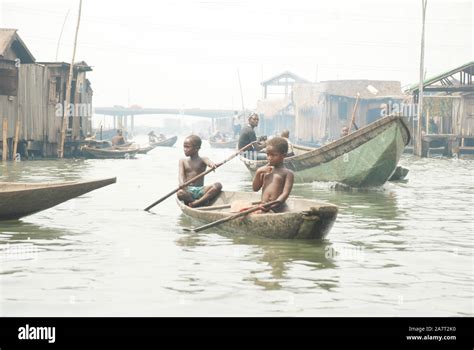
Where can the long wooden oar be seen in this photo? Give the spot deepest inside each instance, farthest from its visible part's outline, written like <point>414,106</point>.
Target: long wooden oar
<point>352,122</point>
<point>243,149</point>
<point>232,217</point>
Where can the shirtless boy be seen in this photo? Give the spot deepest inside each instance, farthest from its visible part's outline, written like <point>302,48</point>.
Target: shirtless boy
<point>195,194</point>
<point>274,179</point>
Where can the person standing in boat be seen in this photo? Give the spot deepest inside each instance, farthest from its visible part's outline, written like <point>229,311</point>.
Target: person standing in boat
<point>195,194</point>
<point>118,139</point>
<point>286,135</point>
<point>248,136</point>
<point>344,131</point>
<point>275,180</point>
<point>236,127</point>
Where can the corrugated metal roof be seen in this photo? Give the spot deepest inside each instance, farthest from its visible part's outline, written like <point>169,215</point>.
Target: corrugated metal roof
<point>467,68</point>
<point>367,89</point>
<point>8,38</point>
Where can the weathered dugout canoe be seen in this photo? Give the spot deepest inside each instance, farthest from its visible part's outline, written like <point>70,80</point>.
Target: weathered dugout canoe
<point>165,143</point>
<point>109,153</point>
<point>227,144</point>
<point>308,219</point>
<point>22,199</point>
<point>365,158</point>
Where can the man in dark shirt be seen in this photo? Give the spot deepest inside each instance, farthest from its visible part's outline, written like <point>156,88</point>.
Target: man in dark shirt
<point>247,135</point>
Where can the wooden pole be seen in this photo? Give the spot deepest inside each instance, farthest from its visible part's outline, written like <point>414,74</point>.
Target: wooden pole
<point>5,140</point>
<point>241,95</point>
<point>352,121</point>
<point>68,90</point>
<point>17,136</point>
<point>60,35</point>
<point>417,147</point>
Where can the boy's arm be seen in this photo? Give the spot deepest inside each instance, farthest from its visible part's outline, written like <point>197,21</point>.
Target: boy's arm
<point>182,173</point>
<point>209,163</point>
<point>259,176</point>
<point>289,179</point>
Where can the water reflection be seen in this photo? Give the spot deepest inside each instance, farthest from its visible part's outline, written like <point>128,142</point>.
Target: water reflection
<point>282,258</point>
<point>44,170</point>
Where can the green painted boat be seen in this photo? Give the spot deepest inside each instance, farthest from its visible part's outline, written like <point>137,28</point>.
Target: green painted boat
<point>307,219</point>
<point>365,158</point>
<point>21,199</point>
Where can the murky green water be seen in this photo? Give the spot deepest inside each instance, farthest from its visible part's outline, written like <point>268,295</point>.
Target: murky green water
<point>405,250</point>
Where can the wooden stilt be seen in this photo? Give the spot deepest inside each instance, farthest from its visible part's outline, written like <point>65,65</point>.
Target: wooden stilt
<point>17,136</point>
<point>5,140</point>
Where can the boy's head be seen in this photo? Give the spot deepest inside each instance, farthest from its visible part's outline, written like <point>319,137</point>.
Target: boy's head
<point>191,145</point>
<point>277,148</point>
<point>285,134</point>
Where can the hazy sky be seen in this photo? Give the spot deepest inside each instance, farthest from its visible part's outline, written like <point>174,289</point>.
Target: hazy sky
<point>186,53</point>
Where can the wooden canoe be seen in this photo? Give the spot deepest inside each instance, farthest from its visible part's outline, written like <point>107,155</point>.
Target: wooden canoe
<point>109,153</point>
<point>169,142</point>
<point>308,219</point>
<point>22,199</point>
<point>146,149</point>
<point>225,144</point>
<point>365,158</point>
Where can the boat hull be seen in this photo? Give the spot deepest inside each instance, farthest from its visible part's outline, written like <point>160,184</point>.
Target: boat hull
<point>21,199</point>
<point>166,143</point>
<point>366,158</point>
<point>109,153</point>
<point>307,219</point>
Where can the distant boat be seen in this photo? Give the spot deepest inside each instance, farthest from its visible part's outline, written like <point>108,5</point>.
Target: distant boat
<point>365,158</point>
<point>169,142</point>
<point>109,152</point>
<point>21,199</point>
<point>223,144</point>
<point>308,219</point>
<point>146,149</point>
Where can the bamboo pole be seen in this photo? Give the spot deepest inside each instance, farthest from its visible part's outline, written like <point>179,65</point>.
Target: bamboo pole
<point>5,140</point>
<point>17,136</point>
<point>418,145</point>
<point>354,110</point>
<point>68,90</point>
<point>241,94</point>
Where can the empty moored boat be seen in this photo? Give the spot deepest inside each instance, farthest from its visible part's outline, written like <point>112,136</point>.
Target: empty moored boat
<point>22,199</point>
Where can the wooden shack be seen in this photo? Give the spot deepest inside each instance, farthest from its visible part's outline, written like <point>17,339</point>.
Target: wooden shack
<point>448,111</point>
<point>276,110</point>
<point>276,115</point>
<point>323,109</point>
<point>32,96</point>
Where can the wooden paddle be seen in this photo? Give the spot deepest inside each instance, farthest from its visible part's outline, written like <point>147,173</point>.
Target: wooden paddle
<point>352,122</point>
<point>232,217</point>
<point>243,149</point>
